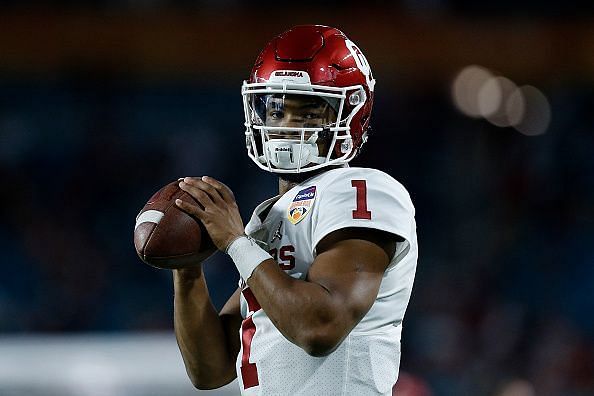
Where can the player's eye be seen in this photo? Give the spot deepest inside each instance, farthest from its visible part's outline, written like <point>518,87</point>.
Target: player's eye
<point>276,115</point>
<point>311,116</point>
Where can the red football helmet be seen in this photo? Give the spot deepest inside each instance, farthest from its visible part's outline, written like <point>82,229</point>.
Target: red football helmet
<point>308,101</point>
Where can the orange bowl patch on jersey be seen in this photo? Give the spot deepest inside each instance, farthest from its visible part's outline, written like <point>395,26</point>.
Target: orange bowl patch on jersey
<point>301,204</point>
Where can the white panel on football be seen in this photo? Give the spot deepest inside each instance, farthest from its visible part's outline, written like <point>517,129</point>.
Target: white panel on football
<point>150,216</point>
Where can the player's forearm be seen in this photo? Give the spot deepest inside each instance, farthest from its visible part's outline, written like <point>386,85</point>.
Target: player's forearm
<point>304,312</point>
<point>200,333</point>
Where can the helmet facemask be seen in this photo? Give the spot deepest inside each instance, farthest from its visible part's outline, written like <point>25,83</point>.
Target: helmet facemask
<point>293,128</point>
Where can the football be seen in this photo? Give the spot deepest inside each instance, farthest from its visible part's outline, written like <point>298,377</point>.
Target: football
<point>167,237</point>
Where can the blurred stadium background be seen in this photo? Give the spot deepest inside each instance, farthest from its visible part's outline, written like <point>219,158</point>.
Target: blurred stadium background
<point>484,111</point>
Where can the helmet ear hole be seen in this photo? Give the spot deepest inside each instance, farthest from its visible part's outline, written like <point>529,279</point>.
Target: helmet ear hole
<point>354,99</point>
<point>357,97</point>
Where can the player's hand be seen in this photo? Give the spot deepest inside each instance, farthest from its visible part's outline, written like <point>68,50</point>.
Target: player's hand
<point>217,209</point>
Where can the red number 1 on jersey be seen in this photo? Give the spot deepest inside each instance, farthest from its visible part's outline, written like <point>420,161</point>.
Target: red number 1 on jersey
<point>361,212</point>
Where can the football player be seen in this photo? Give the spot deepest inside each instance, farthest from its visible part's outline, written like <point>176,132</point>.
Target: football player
<point>327,265</point>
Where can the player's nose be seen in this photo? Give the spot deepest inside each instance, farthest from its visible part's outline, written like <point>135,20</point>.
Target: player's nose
<point>292,131</point>
<point>292,122</point>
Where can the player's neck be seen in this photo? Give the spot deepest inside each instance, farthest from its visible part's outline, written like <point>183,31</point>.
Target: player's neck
<point>289,180</point>
<point>285,185</point>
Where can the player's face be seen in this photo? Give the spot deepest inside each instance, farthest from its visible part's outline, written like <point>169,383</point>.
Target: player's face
<point>297,111</point>
<point>285,116</point>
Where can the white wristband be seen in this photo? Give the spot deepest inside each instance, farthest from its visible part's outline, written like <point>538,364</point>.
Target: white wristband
<point>246,255</point>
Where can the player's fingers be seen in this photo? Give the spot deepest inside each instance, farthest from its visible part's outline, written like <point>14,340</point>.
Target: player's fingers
<point>198,194</point>
<point>225,191</point>
<point>208,188</point>
<point>191,209</point>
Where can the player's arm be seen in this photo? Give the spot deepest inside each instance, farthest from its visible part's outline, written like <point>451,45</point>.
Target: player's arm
<point>342,284</point>
<point>208,341</point>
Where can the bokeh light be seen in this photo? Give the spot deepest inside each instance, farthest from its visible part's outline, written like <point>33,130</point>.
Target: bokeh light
<point>515,107</point>
<point>493,97</point>
<point>536,116</point>
<point>466,88</point>
<point>478,93</point>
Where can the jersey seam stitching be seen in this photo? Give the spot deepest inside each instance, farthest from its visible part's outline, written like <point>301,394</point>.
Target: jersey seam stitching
<point>348,361</point>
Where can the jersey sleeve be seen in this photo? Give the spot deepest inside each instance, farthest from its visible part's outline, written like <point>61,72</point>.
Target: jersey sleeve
<point>365,198</point>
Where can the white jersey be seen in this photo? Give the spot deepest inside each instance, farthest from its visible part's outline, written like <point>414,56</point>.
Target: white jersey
<point>367,361</point>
